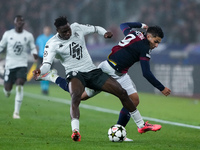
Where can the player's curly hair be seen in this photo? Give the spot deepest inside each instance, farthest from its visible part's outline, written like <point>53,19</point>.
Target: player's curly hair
<point>155,31</point>
<point>60,21</point>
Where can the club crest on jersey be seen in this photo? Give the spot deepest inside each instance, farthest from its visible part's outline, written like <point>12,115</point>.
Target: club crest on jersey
<point>76,34</point>
<point>139,34</point>
<point>74,73</point>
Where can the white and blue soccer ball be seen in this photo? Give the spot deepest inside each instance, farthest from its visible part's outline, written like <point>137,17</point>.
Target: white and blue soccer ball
<point>117,133</point>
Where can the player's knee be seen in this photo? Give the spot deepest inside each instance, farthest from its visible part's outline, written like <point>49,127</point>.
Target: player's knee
<point>136,102</point>
<point>135,99</point>
<point>76,98</point>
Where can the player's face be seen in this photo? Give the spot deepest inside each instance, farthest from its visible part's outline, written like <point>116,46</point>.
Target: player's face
<point>19,22</point>
<point>153,41</point>
<point>65,31</point>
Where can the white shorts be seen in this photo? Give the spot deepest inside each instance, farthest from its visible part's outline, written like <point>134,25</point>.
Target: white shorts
<point>123,79</point>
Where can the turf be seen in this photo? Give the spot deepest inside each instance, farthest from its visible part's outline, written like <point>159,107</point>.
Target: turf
<point>46,125</point>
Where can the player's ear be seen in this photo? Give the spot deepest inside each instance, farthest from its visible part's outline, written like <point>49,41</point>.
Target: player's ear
<point>149,36</point>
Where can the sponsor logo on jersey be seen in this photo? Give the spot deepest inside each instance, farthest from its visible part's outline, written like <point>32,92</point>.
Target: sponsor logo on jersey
<point>18,48</point>
<point>76,50</point>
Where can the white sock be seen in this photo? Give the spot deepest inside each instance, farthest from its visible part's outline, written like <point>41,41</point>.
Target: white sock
<point>75,124</point>
<point>137,118</point>
<point>53,78</point>
<point>18,98</point>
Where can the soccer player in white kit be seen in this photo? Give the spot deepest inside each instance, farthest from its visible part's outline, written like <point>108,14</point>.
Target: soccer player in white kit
<point>17,43</point>
<point>68,45</point>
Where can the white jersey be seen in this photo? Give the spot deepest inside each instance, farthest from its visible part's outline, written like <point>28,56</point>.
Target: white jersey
<point>72,53</point>
<point>17,46</point>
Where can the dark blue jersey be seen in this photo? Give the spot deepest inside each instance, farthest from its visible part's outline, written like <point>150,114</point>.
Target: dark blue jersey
<point>133,48</point>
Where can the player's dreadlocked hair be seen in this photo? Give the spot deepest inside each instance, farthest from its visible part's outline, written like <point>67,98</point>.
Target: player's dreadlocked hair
<point>61,21</point>
<point>155,31</point>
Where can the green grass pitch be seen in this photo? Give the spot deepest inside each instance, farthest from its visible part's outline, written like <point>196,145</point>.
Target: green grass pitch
<point>45,122</point>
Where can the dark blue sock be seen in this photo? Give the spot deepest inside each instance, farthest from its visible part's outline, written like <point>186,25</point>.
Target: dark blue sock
<point>61,82</point>
<point>124,117</point>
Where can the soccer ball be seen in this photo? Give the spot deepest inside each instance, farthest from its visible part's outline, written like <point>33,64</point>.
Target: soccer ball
<point>117,133</point>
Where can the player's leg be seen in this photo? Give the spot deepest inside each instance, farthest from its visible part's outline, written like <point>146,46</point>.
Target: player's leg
<point>20,81</point>
<point>44,87</point>
<point>55,78</point>
<point>124,115</point>
<point>8,82</point>
<point>113,87</point>
<point>7,88</point>
<point>127,84</point>
<point>76,88</point>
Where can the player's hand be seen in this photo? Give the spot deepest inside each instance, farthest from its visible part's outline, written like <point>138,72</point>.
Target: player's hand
<point>166,91</point>
<point>145,27</point>
<point>108,35</point>
<point>35,57</point>
<point>36,73</point>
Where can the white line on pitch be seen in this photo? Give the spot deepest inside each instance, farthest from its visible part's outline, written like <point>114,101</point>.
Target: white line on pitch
<point>65,101</point>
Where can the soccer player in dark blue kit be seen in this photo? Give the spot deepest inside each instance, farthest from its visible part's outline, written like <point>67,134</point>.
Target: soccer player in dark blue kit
<point>136,46</point>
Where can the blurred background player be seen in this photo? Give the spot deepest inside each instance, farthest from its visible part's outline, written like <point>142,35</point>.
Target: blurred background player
<point>40,43</point>
<point>17,43</point>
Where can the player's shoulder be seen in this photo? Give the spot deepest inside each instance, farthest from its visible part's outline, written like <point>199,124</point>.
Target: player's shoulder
<point>53,41</point>
<point>75,26</point>
<point>27,33</point>
<point>78,26</point>
<point>11,31</point>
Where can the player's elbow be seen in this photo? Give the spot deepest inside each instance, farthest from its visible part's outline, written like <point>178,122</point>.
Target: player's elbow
<point>146,75</point>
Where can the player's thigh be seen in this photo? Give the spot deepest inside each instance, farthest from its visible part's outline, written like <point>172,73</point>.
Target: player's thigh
<point>105,67</point>
<point>76,89</point>
<point>126,83</point>
<point>76,84</point>
<point>21,75</point>
<point>113,87</point>
<point>9,79</point>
